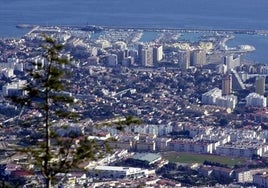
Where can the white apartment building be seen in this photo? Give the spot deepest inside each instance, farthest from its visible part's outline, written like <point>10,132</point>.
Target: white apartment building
<point>228,101</point>
<point>120,45</point>
<point>211,96</point>
<point>147,57</point>
<point>101,43</point>
<point>231,61</point>
<point>264,70</point>
<point>198,58</point>
<point>190,145</point>
<point>145,146</point>
<point>221,69</point>
<point>162,144</point>
<point>7,72</point>
<point>14,88</point>
<point>242,149</point>
<point>157,53</point>
<point>117,172</point>
<point>247,176</point>
<point>184,59</point>
<point>214,97</point>
<point>159,130</point>
<point>256,100</point>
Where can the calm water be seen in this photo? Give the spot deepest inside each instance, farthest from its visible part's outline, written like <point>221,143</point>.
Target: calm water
<point>227,14</point>
<point>260,55</point>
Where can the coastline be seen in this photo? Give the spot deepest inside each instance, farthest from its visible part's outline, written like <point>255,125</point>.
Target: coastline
<point>253,59</point>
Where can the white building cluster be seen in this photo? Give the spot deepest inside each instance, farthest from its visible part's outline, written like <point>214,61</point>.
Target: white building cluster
<point>210,140</point>
<point>159,130</point>
<point>225,142</point>
<point>214,97</point>
<point>192,145</point>
<point>152,129</point>
<point>14,88</point>
<point>247,148</point>
<point>7,68</point>
<point>115,172</point>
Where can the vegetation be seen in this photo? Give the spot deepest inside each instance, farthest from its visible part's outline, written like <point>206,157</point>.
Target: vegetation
<point>223,121</point>
<point>45,93</point>
<point>185,175</point>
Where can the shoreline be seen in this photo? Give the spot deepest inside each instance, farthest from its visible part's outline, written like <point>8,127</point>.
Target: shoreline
<point>99,28</point>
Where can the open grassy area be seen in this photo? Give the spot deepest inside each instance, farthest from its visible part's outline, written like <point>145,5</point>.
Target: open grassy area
<point>182,157</point>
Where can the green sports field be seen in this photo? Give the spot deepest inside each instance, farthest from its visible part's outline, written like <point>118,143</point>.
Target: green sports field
<point>182,157</point>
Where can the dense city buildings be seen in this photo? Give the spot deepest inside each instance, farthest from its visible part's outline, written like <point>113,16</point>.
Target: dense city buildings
<point>194,98</point>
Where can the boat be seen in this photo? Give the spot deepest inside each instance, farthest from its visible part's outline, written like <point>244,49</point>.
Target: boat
<point>25,26</point>
<point>247,48</point>
<point>92,28</point>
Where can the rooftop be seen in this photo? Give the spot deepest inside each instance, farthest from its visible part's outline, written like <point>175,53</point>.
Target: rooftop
<point>150,157</point>
<point>117,168</point>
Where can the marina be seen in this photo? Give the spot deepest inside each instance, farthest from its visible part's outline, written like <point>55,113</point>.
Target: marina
<point>251,43</point>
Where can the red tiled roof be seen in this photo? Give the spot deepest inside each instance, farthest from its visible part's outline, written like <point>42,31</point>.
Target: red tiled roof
<point>22,173</point>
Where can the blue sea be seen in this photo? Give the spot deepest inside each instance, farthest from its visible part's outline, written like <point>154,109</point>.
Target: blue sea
<point>203,14</point>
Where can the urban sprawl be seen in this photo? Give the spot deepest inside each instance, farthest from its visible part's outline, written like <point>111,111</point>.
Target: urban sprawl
<point>202,107</point>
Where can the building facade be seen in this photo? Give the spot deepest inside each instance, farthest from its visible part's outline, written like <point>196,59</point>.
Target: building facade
<point>117,172</point>
<point>256,100</point>
<point>226,85</point>
<point>198,58</point>
<point>184,59</point>
<point>157,53</point>
<point>260,85</point>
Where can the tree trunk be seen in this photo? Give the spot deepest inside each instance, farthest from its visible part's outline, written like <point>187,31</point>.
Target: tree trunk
<point>48,182</point>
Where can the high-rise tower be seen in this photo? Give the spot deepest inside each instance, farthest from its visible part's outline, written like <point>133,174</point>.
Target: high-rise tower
<point>260,85</point>
<point>147,57</point>
<point>227,85</point>
<point>157,53</point>
<point>141,48</point>
<point>198,58</point>
<point>231,61</point>
<point>184,59</point>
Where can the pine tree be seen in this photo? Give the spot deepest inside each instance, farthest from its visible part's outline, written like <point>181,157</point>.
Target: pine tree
<point>45,87</point>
